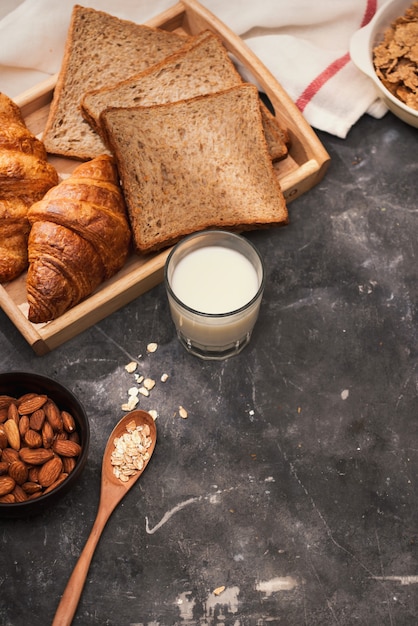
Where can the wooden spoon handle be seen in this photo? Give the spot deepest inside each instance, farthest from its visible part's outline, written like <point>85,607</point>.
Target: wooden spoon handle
<point>71,596</point>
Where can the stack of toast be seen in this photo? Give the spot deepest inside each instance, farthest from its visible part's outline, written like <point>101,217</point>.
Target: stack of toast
<point>193,143</point>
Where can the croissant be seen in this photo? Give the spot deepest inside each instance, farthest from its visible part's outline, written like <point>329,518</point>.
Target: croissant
<point>25,176</point>
<point>79,237</point>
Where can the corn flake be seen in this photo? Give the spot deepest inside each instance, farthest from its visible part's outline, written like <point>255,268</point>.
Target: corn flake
<point>395,59</point>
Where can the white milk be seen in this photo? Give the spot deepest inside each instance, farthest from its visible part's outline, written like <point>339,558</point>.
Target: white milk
<point>215,279</point>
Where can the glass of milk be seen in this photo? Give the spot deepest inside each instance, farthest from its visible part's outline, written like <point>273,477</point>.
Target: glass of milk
<point>214,281</point>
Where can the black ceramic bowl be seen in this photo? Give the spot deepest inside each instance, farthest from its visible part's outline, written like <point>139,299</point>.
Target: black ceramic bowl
<point>16,384</point>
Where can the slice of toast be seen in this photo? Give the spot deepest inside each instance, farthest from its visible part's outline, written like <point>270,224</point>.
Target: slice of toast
<point>182,75</point>
<point>100,49</point>
<point>194,164</point>
<point>204,66</point>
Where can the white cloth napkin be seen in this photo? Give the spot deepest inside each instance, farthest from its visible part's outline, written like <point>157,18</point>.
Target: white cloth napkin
<point>303,43</point>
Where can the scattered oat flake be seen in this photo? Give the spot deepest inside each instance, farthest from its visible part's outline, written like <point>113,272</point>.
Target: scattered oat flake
<point>131,404</point>
<point>152,347</point>
<point>149,384</point>
<point>153,414</point>
<point>139,378</point>
<point>182,412</point>
<point>218,590</point>
<point>133,391</point>
<point>131,367</point>
<point>164,378</point>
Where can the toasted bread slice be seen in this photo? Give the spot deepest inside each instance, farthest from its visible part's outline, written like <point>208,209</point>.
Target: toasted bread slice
<point>100,49</point>
<point>204,66</point>
<point>194,164</point>
<point>177,77</point>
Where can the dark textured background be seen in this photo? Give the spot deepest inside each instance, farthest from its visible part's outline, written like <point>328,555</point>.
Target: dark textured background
<point>293,480</point>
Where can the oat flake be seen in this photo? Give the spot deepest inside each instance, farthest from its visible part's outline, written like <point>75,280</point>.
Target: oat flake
<point>182,412</point>
<point>131,451</point>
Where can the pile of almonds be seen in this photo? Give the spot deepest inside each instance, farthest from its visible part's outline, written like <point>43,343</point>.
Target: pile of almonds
<point>39,446</point>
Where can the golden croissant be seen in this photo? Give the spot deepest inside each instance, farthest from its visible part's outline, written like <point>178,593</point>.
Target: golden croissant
<point>80,236</point>
<point>25,176</point>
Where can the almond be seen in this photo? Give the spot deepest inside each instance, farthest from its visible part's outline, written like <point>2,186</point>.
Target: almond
<point>37,419</point>
<point>5,401</point>
<point>26,396</point>
<point>4,467</point>
<point>23,425</point>
<point>33,439</point>
<point>7,499</point>
<point>3,438</point>
<point>35,495</point>
<point>68,421</point>
<point>35,456</point>
<point>9,455</point>
<point>12,431</point>
<point>68,463</point>
<point>18,471</point>
<point>34,473</point>
<point>3,415</point>
<point>47,435</point>
<point>7,484</point>
<point>13,413</point>
<point>19,494</point>
<point>53,416</point>
<point>59,480</point>
<point>65,447</point>
<point>26,407</point>
<point>31,487</point>
<point>50,471</point>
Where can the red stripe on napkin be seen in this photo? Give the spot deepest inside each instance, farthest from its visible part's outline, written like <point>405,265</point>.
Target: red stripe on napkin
<point>334,67</point>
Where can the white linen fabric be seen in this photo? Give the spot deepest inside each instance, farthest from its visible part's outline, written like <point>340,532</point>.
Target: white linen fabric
<point>303,43</point>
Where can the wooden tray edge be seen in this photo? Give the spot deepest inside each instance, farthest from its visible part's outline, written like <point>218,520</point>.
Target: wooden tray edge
<point>114,294</point>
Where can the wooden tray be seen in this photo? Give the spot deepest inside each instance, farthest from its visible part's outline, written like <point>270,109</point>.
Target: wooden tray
<point>302,169</point>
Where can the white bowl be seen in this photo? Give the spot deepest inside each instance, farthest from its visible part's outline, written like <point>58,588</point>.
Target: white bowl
<point>361,52</point>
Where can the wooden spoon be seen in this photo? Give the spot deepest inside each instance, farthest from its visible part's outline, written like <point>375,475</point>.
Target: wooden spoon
<point>112,491</point>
